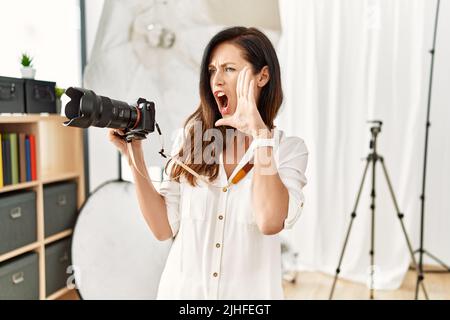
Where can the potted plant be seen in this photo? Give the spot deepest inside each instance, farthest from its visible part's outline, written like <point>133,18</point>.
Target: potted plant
<point>27,69</point>
<point>58,93</point>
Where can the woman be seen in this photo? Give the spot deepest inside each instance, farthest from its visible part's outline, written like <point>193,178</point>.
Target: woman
<point>227,199</point>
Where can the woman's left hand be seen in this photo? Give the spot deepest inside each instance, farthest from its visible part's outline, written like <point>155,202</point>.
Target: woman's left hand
<point>246,117</point>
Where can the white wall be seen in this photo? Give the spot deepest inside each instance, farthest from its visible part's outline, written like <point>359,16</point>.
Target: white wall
<point>93,11</point>
<point>49,31</point>
<point>102,156</point>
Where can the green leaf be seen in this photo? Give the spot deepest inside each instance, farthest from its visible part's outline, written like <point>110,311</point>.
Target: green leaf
<point>26,60</point>
<point>59,92</point>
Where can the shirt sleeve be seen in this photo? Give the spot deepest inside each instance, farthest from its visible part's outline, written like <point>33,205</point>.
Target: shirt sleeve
<point>292,161</point>
<point>170,190</point>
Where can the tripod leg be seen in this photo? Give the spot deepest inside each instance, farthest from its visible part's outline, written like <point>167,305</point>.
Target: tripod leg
<point>353,216</point>
<point>442,263</point>
<point>372,231</point>
<point>408,242</point>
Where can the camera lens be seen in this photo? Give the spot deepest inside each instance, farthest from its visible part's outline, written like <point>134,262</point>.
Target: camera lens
<point>87,109</point>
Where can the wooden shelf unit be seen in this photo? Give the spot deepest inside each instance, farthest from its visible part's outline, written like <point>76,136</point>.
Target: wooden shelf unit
<point>59,157</point>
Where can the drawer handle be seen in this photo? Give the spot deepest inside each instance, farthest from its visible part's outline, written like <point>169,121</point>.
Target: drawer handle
<point>62,200</point>
<point>7,93</point>
<point>18,278</point>
<point>64,258</point>
<point>16,213</point>
<point>43,93</point>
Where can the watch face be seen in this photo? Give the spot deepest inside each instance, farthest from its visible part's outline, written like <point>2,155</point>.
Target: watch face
<point>264,142</point>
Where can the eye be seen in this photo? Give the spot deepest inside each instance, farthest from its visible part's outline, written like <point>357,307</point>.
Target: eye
<point>229,69</point>
<point>211,71</point>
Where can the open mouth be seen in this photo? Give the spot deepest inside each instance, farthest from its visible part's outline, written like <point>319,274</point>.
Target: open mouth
<point>222,100</point>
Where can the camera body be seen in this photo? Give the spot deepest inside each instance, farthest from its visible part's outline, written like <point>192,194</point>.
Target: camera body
<point>145,123</point>
<point>87,109</point>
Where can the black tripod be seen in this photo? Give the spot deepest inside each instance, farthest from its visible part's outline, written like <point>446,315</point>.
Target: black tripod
<point>372,158</point>
<point>421,250</point>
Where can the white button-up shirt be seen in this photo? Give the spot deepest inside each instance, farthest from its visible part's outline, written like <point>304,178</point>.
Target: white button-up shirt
<point>218,251</point>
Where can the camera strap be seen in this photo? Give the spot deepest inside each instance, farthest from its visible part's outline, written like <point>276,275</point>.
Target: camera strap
<point>238,177</point>
<point>132,160</point>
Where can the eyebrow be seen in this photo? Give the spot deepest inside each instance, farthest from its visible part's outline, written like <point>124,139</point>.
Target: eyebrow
<point>223,64</point>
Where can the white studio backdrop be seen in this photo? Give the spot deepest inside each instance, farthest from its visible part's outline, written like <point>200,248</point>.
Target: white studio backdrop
<point>343,63</point>
<point>346,62</point>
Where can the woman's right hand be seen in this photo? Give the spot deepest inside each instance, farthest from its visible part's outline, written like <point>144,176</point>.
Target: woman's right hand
<point>121,144</point>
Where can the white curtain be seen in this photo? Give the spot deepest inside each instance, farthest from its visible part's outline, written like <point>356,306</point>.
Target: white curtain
<point>343,63</point>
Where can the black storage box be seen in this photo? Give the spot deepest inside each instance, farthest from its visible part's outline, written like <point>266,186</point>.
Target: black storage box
<point>12,95</point>
<point>40,96</point>
<point>60,207</point>
<point>17,220</point>
<point>57,260</point>
<point>19,278</point>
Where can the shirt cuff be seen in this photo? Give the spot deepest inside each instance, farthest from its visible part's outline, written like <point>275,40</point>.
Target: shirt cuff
<point>294,211</point>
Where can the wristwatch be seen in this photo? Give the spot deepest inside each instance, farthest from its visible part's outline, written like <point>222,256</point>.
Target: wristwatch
<point>260,142</point>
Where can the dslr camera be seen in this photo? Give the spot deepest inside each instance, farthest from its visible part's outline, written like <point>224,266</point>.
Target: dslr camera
<point>87,109</point>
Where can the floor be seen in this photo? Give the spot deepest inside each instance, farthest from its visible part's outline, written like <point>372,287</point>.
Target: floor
<point>315,285</point>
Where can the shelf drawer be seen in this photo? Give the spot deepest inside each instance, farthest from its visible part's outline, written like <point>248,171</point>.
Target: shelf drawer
<point>12,95</point>
<point>60,207</point>
<point>40,96</point>
<point>19,278</point>
<point>17,220</point>
<point>57,260</point>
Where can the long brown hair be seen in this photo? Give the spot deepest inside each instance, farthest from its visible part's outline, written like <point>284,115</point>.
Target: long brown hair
<point>259,52</point>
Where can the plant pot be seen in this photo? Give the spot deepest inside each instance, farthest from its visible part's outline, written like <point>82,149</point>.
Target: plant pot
<point>58,106</point>
<point>28,72</point>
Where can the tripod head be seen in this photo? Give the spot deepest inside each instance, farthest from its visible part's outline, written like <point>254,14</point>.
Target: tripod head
<point>374,130</point>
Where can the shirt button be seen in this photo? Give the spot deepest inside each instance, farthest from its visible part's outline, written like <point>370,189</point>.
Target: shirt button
<point>221,217</point>
<point>217,245</point>
<point>215,274</point>
<point>224,189</point>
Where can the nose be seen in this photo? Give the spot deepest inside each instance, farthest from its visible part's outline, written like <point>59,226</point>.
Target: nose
<point>217,79</point>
